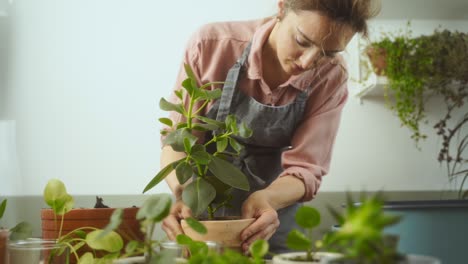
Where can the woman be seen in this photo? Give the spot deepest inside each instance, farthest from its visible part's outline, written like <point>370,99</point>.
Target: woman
<point>288,82</point>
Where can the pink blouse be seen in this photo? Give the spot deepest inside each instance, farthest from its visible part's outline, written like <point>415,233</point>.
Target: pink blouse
<point>214,49</point>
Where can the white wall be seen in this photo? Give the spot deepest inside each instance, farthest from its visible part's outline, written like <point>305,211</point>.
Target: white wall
<point>85,78</point>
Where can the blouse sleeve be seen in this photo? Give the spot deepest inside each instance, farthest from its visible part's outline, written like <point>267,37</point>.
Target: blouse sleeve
<point>312,143</point>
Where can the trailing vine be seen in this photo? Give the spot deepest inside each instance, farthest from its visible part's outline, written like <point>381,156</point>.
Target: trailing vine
<point>425,66</point>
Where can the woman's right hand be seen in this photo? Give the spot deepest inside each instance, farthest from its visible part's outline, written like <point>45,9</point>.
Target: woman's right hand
<point>171,224</point>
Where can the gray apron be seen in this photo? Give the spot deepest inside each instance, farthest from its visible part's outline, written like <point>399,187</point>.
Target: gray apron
<point>273,128</point>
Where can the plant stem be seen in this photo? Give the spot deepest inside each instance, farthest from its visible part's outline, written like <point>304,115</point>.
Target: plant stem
<point>210,212</point>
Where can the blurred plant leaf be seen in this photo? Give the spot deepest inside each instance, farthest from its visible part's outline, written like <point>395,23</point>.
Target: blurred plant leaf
<point>307,217</point>
<point>155,208</point>
<point>168,106</point>
<point>298,241</point>
<point>21,231</point>
<point>196,225</point>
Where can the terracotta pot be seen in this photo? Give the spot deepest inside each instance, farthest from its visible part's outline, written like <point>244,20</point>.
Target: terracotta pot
<point>378,59</point>
<point>4,233</point>
<point>224,232</point>
<point>129,229</point>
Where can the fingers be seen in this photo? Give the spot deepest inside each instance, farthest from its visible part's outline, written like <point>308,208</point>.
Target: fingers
<point>171,224</point>
<point>263,228</point>
<point>172,227</point>
<point>185,212</point>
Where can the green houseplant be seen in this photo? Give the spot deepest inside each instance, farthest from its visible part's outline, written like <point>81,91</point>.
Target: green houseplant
<point>302,240</point>
<point>208,175</point>
<point>88,244</point>
<point>360,237</point>
<point>81,240</point>
<point>419,68</point>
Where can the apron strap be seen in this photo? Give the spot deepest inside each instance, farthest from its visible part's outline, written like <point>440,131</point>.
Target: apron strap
<point>230,85</point>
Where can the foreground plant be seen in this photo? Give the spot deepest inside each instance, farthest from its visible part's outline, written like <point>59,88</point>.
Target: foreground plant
<point>308,218</point>
<point>56,196</point>
<point>201,254</point>
<point>360,237</point>
<point>208,175</point>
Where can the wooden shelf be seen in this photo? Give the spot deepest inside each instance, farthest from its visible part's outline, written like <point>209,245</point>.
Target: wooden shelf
<point>374,87</point>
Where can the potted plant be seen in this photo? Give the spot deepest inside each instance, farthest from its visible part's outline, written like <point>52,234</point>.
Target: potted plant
<point>75,230</point>
<point>359,238</point>
<point>20,231</point>
<point>418,69</point>
<point>301,240</point>
<point>208,176</point>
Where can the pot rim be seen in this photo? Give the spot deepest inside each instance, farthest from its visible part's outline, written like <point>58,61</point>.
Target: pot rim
<point>35,244</point>
<point>224,220</point>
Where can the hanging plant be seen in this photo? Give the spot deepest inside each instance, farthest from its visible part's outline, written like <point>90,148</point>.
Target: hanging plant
<point>419,68</point>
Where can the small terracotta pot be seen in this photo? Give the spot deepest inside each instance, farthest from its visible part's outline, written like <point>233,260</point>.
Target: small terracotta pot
<point>129,229</point>
<point>225,232</point>
<point>4,233</point>
<point>378,59</point>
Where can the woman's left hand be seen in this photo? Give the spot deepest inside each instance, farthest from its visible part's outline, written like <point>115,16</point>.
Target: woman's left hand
<point>258,206</point>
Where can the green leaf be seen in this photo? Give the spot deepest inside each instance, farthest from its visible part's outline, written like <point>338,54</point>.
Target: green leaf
<point>298,241</point>
<point>204,127</point>
<point>155,208</point>
<point>77,246</point>
<point>166,121</point>
<point>3,207</point>
<point>168,106</point>
<point>210,121</point>
<point>191,75</point>
<point>80,234</point>
<point>231,124</point>
<point>195,225</point>
<point>184,172</point>
<point>201,157</point>
<point>87,258</point>
<point>222,144</point>
<point>187,84</point>
<point>228,173</point>
<point>223,191</point>
<point>235,145</point>
<point>183,239</point>
<point>259,249</point>
<point>336,215</point>
<point>114,222</point>
<point>179,94</point>
<point>210,95</point>
<point>111,242</point>
<point>56,196</point>
<point>244,131</point>
<point>198,195</point>
<point>21,231</point>
<point>131,247</point>
<point>188,145</point>
<point>177,137</point>
<point>307,217</point>
<point>162,174</point>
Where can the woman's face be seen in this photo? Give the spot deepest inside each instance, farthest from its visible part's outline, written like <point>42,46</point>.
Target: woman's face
<point>305,39</point>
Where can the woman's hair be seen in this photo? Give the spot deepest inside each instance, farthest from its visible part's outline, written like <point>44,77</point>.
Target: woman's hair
<point>351,12</point>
